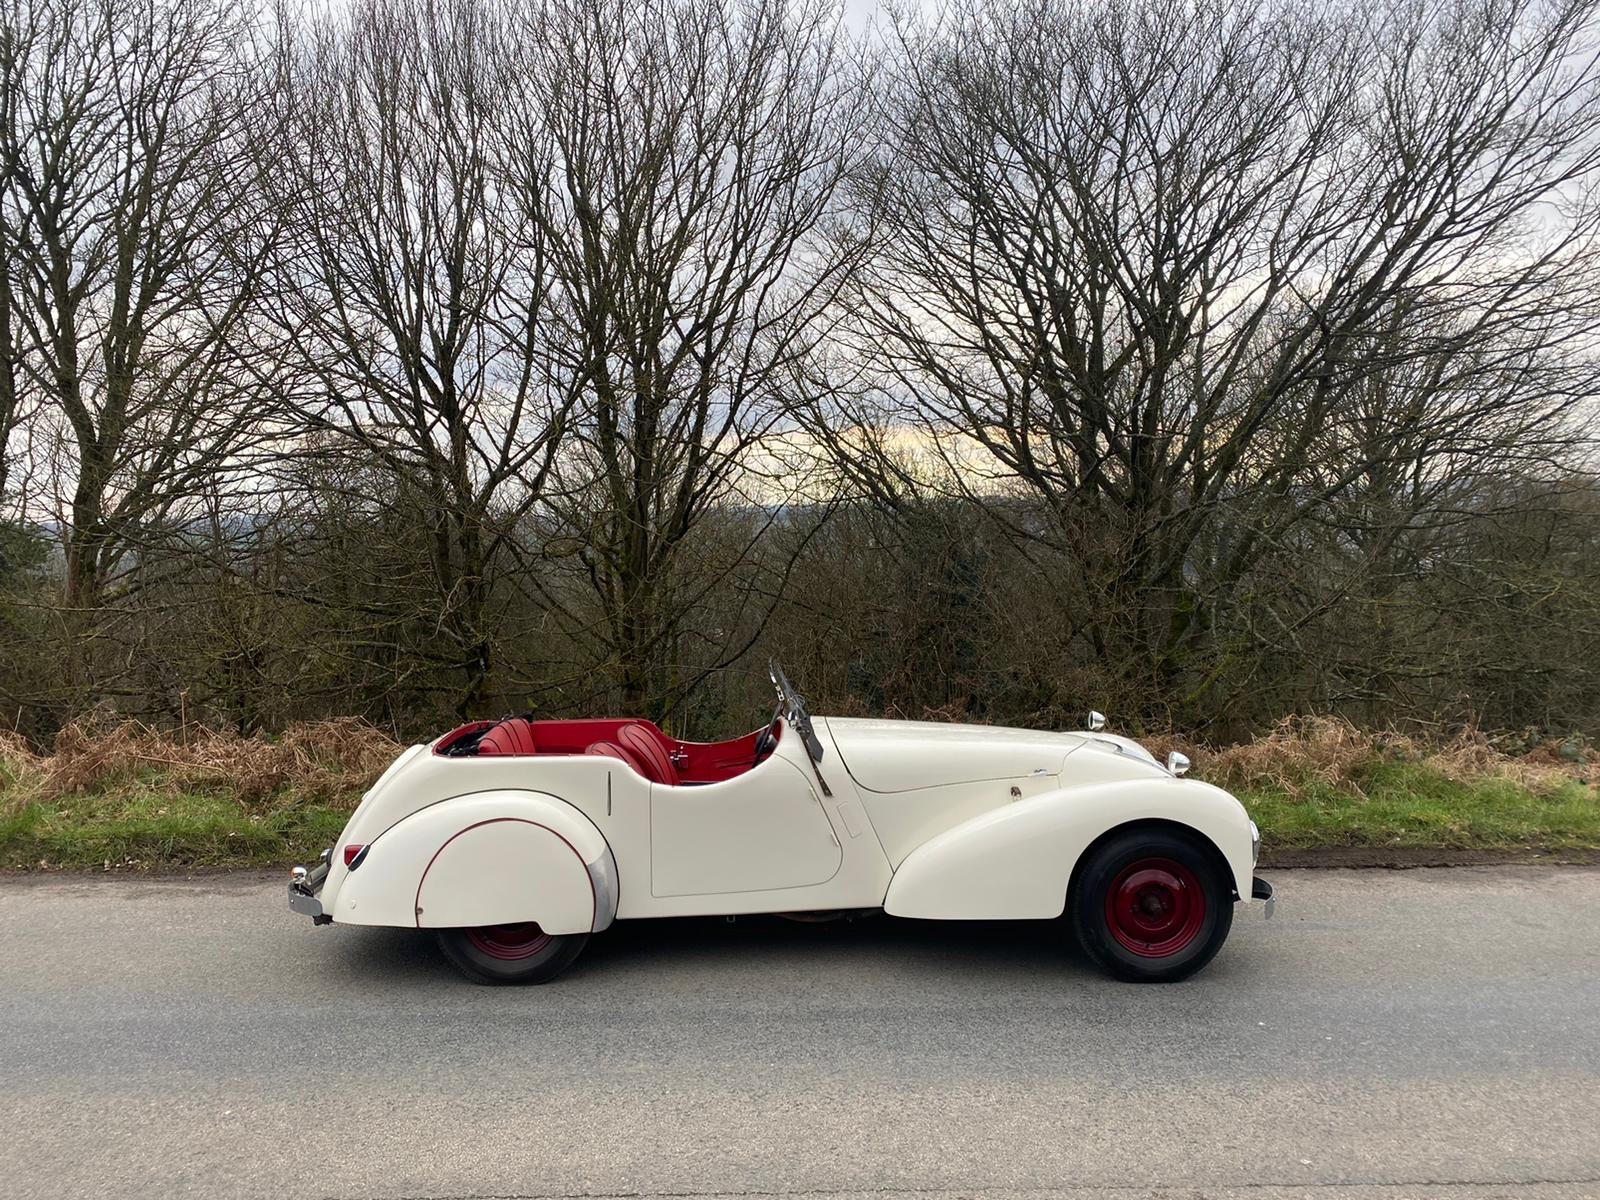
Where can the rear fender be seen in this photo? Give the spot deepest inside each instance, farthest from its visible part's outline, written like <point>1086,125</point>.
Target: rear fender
<point>488,858</point>
<point>1015,862</point>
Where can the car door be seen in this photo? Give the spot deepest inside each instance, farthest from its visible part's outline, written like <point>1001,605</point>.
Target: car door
<point>761,831</point>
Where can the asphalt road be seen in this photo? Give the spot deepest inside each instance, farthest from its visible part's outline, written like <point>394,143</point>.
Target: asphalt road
<point>1405,1034</point>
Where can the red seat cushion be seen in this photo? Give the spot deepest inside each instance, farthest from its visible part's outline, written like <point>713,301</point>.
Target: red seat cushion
<point>612,750</point>
<point>511,736</point>
<point>658,766</point>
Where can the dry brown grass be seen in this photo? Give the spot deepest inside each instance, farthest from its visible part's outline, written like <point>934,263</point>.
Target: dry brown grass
<point>1304,752</point>
<point>321,762</point>
<point>14,749</point>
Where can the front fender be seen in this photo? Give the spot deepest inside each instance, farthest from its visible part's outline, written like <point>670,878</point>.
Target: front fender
<point>486,858</point>
<point>1015,862</point>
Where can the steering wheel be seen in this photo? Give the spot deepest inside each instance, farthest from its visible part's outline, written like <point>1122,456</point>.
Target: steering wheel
<point>767,739</point>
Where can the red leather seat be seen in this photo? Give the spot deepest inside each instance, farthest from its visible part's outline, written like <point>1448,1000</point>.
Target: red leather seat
<point>612,750</point>
<point>511,736</point>
<point>656,762</point>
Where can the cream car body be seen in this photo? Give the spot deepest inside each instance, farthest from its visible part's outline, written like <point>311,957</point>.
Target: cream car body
<point>951,822</point>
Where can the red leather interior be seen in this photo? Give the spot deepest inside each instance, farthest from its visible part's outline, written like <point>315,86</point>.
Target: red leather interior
<point>657,762</point>
<point>637,743</point>
<point>511,736</point>
<point>612,750</point>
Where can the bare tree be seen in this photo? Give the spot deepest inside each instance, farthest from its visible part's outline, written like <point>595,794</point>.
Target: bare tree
<point>411,301</point>
<point>1194,278</point>
<point>11,392</point>
<point>681,160</point>
<point>129,222</point>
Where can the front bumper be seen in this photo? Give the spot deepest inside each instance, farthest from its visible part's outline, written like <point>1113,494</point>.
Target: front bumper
<point>303,888</point>
<point>1260,889</point>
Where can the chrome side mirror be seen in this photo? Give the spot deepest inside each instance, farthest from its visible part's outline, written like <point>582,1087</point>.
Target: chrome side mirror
<point>1177,763</point>
<point>1096,721</point>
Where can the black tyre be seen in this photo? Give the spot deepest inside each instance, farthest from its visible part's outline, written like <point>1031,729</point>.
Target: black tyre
<point>1151,906</point>
<point>517,953</point>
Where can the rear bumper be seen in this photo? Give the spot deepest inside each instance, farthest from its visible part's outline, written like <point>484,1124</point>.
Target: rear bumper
<point>1260,889</point>
<point>303,888</point>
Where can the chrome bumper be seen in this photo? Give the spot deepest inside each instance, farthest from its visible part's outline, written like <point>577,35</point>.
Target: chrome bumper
<point>1260,889</point>
<point>303,888</point>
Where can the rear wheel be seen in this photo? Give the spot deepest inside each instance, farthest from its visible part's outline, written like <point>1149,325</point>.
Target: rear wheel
<point>1151,906</point>
<point>519,952</point>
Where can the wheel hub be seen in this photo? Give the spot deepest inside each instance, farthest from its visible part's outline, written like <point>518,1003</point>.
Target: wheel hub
<point>1152,903</point>
<point>1155,907</point>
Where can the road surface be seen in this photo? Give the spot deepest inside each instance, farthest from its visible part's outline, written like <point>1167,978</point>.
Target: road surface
<point>1387,1034</point>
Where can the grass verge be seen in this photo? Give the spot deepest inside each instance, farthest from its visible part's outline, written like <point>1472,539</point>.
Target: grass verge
<point>1317,783</point>
<point>1412,806</point>
<point>129,798</point>
<point>186,832</point>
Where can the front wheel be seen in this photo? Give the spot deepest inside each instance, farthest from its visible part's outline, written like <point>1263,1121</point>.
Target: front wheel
<point>514,953</point>
<point>1151,906</point>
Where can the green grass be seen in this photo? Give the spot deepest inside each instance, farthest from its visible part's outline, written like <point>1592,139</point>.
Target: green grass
<point>1411,805</point>
<point>149,823</point>
<point>147,827</point>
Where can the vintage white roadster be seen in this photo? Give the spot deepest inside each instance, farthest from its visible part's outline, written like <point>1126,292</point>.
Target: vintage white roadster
<point>515,840</point>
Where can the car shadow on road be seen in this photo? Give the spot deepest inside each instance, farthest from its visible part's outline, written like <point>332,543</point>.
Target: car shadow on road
<point>663,950</point>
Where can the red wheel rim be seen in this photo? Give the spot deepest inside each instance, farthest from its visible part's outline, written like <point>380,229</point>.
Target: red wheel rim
<point>1155,907</point>
<point>509,942</point>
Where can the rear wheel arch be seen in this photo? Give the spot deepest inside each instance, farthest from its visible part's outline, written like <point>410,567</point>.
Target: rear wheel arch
<point>421,847</point>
